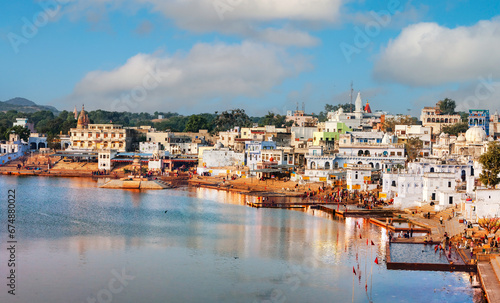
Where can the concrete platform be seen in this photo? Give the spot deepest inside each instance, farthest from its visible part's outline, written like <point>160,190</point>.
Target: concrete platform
<point>135,184</point>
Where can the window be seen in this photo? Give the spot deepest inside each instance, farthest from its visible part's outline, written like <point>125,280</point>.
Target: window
<point>449,184</point>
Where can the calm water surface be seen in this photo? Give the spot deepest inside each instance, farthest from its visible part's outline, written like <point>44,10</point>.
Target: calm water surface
<point>75,239</point>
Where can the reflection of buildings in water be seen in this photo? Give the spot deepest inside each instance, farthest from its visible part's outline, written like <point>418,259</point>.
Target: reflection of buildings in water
<point>135,196</point>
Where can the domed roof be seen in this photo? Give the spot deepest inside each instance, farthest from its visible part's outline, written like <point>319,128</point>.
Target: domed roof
<point>341,110</point>
<point>475,134</point>
<point>461,138</point>
<point>443,135</point>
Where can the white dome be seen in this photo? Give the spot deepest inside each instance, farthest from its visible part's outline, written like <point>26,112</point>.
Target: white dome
<point>341,110</point>
<point>475,135</point>
<point>443,135</point>
<point>461,138</point>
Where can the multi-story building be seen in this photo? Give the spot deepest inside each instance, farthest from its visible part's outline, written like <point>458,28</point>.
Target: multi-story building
<point>253,152</point>
<point>405,132</point>
<point>299,118</point>
<point>481,118</point>
<point>99,136</point>
<point>432,117</point>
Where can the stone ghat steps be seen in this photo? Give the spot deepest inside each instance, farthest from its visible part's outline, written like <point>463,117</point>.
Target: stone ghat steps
<point>495,262</point>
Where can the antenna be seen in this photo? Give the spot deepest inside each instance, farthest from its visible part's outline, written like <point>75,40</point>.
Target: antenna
<point>297,106</point>
<point>303,107</point>
<point>350,94</point>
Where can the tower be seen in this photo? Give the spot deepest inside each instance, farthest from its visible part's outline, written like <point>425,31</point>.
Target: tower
<point>83,119</point>
<point>358,105</point>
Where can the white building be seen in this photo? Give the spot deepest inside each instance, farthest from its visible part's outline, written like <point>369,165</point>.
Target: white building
<point>104,159</point>
<point>222,157</point>
<point>12,149</point>
<point>483,203</point>
<point>24,123</point>
<point>410,187</point>
<point>149,147</point>
<point>376,149</point>
<point>405,132</point>
<point>358,177</point>
<point>361,118</point>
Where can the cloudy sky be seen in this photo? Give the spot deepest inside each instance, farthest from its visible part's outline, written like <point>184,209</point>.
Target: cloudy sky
<point>192,56</point>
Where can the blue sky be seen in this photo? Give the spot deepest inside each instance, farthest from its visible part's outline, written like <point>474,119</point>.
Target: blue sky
<point>192,56</point>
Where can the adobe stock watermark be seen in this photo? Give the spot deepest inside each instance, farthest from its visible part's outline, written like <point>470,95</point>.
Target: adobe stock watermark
<point>115,286</point>
<point>30,27</point>
<point>483,91</point>
<point>131,100</point>
<point>364,36</point>
<point>221,7</point>
<point>292,279</point>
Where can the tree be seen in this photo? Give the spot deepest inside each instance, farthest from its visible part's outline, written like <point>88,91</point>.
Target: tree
<point>389,124</point>
<point>464,117</point>
<point>447,106</point>
<point>276,120</point>
<point>53,141</point>
<point>492,225</point>
<point>23,132</point>
<point>490,161</point>
<point>455,129</point>
<point>413,147</point>
<point>197,122</point>
<point>229,119</point>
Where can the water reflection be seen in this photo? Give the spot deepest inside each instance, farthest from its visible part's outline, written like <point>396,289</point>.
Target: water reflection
<point>207,247</point>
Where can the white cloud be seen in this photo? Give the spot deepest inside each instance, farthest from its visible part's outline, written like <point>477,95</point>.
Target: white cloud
<point>430,54</point>
<point>196,81</point>
<point>270,21</point>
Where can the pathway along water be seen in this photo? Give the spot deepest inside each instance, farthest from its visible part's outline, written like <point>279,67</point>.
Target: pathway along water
<point>77,241</point>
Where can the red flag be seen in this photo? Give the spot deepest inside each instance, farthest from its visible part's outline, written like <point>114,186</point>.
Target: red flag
<point>360,236</point>
<point>373,243</point>
<point>353,270</point>
<point>366,241</point>
<point>376,260</point>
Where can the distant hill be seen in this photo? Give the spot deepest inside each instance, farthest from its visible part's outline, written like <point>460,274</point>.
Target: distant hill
<point>25,106</point>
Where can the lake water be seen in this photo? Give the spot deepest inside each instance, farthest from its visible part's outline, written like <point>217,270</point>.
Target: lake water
<point>79,243</point>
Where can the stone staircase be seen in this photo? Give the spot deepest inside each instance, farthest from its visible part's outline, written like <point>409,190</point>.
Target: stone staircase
<point>489,274</point>
<point>495,263</point>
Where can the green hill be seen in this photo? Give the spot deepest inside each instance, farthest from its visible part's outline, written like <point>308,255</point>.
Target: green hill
<point>25,106</point>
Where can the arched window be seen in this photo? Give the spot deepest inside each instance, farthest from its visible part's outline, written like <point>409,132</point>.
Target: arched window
<point>377,165</point>
<point>327,165</point>
<point>432,169</point>
<point>446,120</point>
<point>367,152</point>
<point>313,165</point>
<point>360,152</point>
<point>371,164</point>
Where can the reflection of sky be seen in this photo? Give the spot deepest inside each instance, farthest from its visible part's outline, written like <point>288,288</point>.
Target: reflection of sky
<point>207,247</point>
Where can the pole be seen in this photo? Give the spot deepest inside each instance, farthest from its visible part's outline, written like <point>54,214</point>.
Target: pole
<point>353,287</point>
